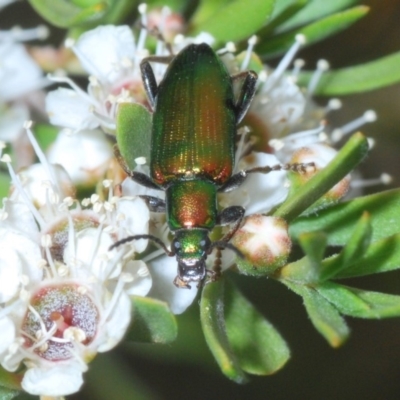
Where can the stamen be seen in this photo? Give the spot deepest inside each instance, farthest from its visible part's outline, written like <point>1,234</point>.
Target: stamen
<point>290,140</point>
<point>123,278</point>
<point>287,59</point>
<point>42,158</point>
<point>333,104</point>
<point>384,179</point>
<point>46,244</point>
<point>143,33</point>
<point>322,66</point>
<point>367,117</point>
<point>74,86</point>
<point>8,309</point>
<point>105,121</point>
<point>17,183</point>
<point>24,35</point>
<point>38,317</point>
<point>153,255</point>
<point>297,66</point>
<point>251,43</point>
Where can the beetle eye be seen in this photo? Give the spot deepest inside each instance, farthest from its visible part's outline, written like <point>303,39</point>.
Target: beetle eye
<point>177,245</point>
<point>202,243</point>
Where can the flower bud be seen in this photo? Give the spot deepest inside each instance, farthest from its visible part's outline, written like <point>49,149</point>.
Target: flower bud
<point>321,155</point>
<point>265,244</point>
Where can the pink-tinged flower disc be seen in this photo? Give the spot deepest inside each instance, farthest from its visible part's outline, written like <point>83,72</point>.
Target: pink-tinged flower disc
<point>265,244</point>
<point>68,310</point>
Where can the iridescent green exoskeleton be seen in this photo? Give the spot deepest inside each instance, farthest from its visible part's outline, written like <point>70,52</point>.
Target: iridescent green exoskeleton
<point>192,153</point>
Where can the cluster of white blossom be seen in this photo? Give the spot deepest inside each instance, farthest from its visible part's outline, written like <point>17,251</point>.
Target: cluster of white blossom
<point>64,296</point>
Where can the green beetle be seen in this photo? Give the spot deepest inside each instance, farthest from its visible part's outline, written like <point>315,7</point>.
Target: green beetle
<point>193,153</point>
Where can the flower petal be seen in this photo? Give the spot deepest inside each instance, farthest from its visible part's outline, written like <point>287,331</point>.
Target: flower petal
<point>67,109</point>
<point>56,380</point>
<point>84,156</point>
<point>163,271</point>
<point>103,51</point>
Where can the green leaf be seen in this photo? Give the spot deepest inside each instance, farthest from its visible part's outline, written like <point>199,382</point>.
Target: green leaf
<point>314,32</point>
<point>10,380</point>
<point>360,303</point>
<point>213,324</point>
<point>360,78</point>
<point>323,314</point>
<point>381,256</point>
<point>4,184</point>
<point>313,245</point>
<point>338,221</point>
<point>8,394</point>
<point>235,20</point>
<point>259,347</point>
<point>354,249</point>
<point>285,14</point>
<point>316,9</point>
<point>153,322</point>
<point>307,269</point>
<point>64,14</point>
<point>111,377</point>
<point>351,154</point>
<point>45,134</point>
<point>133,132</point>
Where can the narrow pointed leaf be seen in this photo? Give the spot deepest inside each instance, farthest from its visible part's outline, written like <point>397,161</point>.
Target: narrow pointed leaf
<point>351,154</point>
<point>314,32</point>
<point>153,322</point>
<point>307,269</point>
<point>284,15</point>
<point>381,256</point>
<point>65,14</point>
<point>338,221</point>
<point>133,132</point>
<point>313,245</point>
<point>360,303</point>
<point>323,315</point>
<point>316,9</point>
<point>214,329</point>
<point>236,20</point>
<point>259,347</point>
<point>352,252</point>
<point>360,78</point>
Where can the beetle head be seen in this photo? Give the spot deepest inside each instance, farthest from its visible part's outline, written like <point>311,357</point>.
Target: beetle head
<point>191,247</point>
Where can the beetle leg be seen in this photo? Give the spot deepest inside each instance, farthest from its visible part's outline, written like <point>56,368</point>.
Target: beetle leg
<point>233,182</point>
<point>230,215</point>
<point>155,204</point>
<point>138,177</point>
<point>237,179</point>
<point>247,92</point>
<point>149,80</point>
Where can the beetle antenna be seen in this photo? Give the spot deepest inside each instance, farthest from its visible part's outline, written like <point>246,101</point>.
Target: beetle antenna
<point>138,237</point>
<point>159,36</point>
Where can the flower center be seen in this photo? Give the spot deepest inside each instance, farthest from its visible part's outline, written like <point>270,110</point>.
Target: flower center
<point>59,316</point>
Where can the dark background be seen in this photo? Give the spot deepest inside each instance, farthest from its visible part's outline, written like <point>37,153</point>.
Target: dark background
<point>368,365</point>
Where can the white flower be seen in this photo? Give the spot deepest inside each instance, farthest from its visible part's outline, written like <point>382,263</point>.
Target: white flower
<point>86,157</point>
<point>64,296</point>
<point>111,56</point>
<point>20,77</point>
